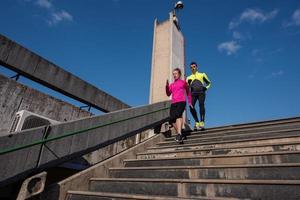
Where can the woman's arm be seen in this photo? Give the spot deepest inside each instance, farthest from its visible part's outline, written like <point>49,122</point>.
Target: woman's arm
<point>168,90</point>
<point>188,93</point>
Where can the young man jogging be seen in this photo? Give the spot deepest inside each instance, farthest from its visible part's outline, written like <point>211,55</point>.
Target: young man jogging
<point>198,83</point>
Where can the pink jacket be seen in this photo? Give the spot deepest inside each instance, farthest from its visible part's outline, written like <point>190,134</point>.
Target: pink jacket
<point>178,89</point>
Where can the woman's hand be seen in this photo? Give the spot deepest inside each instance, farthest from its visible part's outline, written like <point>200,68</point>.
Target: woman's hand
<point>168,92</point>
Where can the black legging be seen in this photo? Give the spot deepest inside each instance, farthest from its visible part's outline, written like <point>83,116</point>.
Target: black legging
<point>201,99</point>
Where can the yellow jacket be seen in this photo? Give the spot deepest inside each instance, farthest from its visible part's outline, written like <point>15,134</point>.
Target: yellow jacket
<point>198,82</point>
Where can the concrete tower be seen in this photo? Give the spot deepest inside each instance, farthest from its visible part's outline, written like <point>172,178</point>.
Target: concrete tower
<point>167,54</point>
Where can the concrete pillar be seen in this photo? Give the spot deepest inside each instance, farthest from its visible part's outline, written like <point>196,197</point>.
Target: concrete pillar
<point>168,53</point>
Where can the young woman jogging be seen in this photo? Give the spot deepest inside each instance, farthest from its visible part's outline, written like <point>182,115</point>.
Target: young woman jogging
<point>179,91</point>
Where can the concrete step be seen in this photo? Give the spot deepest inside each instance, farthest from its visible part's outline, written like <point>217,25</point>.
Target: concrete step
<point>256,135</point>
<point>187,188</point>
<point>261,148</point>
<point>88,195</point>
<point>239,159</point>
<point>284,171</point>
<point>260,124</point>
<point>226,132</point>
<point>225,144</point>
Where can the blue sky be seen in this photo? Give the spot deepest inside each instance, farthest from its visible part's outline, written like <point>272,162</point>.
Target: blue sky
<point>249,49</point>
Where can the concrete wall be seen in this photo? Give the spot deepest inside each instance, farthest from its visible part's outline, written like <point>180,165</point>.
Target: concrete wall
<point>178,51</point>
<point>117,147</point>
<point>167,54</point>
<point>38,69</point>
<point>75,139</point>
<point>160,61</point>
<point>15,97</point>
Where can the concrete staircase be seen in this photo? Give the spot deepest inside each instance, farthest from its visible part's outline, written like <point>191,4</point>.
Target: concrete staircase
<point>250,161</point>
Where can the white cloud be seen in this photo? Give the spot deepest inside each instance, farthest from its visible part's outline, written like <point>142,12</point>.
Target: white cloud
<point>275,74</point>
<point>275,51</point>
<point>266,52</point>
<point>59,17</point>
<point>237,35</point>
<point>233,24</point>
<point>55,15</point>
<point>230,47</point>
<point>295,19</point>
<point>253,16</point>
<point>278,73</point>
<point>44,3</point>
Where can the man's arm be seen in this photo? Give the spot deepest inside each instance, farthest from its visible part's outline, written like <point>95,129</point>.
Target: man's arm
<point>206,80</point>
<point>189,81</point>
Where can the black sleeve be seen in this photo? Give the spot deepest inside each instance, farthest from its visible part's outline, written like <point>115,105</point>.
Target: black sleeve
<point>206,81</point>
